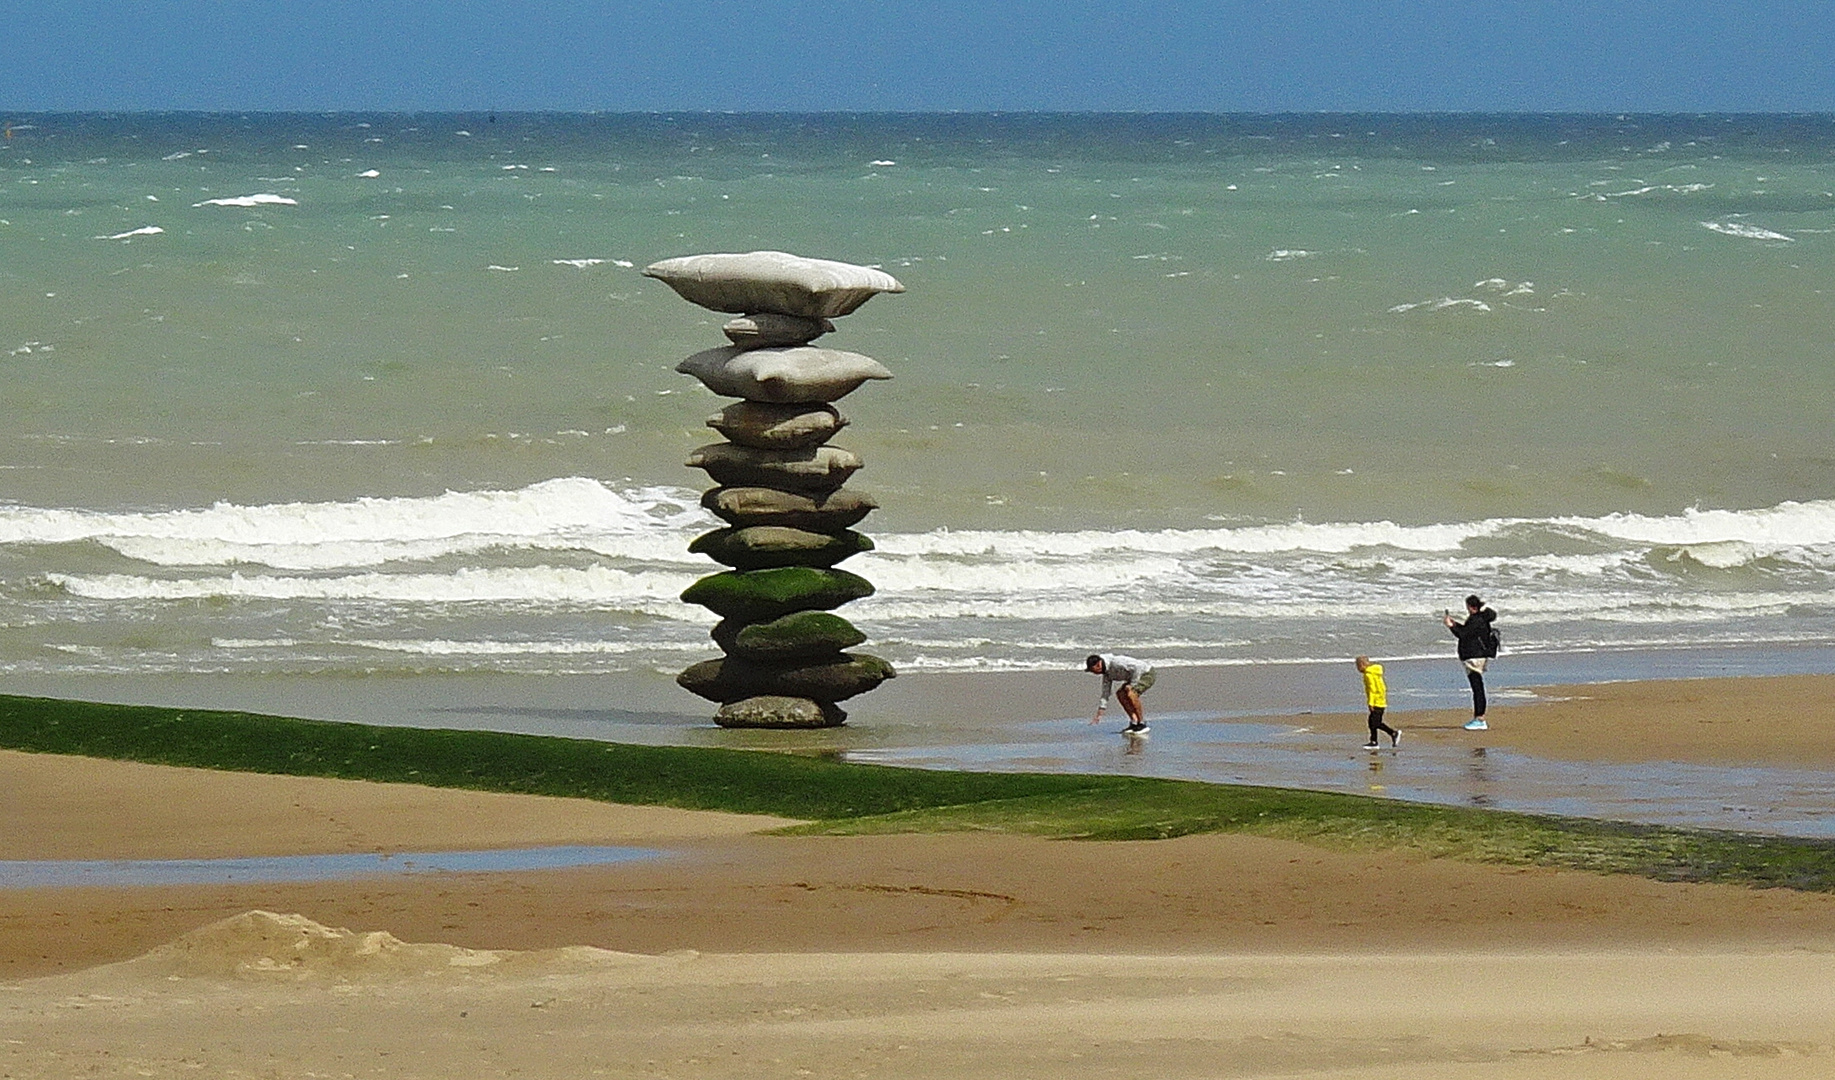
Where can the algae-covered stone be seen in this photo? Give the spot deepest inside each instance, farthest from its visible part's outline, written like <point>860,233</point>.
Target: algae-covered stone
<point>814,469</point>
<point>758,547</point>
<point>767,329</point>
<point>762,595</point>
<point>774,281</point>
<point>777,427</point>
<point>775,711</point>
<point>802,373</point>
<point>800,635</point>
<point>832,512</point>
<point>731,679</point>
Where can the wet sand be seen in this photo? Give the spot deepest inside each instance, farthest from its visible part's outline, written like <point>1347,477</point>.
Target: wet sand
<point>1781,720</point>
<point>893,956</point>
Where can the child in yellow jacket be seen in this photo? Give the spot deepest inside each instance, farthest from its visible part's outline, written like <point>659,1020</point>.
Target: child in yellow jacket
<point>1377,695</point>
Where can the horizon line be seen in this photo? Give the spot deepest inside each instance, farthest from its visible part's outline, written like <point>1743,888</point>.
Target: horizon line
<point>1615,114</point>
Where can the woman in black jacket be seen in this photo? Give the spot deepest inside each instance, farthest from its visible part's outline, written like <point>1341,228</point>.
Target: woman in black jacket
<point>1477,645</point>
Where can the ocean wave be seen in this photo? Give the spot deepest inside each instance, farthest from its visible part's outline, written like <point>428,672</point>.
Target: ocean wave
<point>567,513</point>
<point>1442,304</point>
<point>655,523</point>
<point>262,199</point>
<point>144,230</point>
<point>445,647</point>
<point>506,562</point>
<point>1651,189</point>
<point>1745,231</point>
<point>1013,577</point>
<point>1786,525</point>
<point>1243,539</point>
<point>596,586</point>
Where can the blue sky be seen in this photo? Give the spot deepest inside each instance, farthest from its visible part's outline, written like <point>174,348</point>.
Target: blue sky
<point>1222,55</point>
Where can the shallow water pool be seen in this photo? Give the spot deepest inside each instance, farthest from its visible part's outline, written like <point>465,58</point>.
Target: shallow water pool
<point>41,874</point>
<point>1193,746</point>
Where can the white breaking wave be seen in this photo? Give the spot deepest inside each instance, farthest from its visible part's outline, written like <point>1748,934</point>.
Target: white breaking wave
<point>654,524</point>
<point>1010,577</point>
<point>1442,304</point>
<point>263,199</point>
<point>443,647</point>
<point>448,576</point>
<point>567,513</point>
<point>1245,539</point>
<point>144,230</point>
<point>1788,524</point>
<point>594,586</point>
<point>1748,232</point>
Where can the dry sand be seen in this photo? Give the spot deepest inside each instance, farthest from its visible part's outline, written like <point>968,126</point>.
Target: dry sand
<point>888,956</point>
<point>270,995</point>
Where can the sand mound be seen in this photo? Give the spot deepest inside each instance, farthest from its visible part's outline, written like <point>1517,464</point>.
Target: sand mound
<point>261,945</point>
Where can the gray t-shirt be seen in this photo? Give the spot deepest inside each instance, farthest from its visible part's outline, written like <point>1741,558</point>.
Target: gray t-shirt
<point>1126,670</point>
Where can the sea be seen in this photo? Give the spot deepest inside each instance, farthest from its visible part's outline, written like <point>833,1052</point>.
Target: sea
<point>385,399</point>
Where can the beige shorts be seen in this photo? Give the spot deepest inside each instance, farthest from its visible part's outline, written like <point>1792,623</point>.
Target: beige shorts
<point>1477,664</point>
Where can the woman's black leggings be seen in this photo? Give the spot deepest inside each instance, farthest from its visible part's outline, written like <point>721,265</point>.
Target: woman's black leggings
<point>1477,679</point>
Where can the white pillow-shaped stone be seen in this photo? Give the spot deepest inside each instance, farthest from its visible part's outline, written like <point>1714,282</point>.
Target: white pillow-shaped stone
<point>768,329</point>
<point>818,469</point>
<point>780,376</point>
<point>773,281</point>
<point>777,427</point>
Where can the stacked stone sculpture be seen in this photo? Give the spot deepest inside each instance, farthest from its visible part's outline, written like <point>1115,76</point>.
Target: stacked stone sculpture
<point>789,519</point>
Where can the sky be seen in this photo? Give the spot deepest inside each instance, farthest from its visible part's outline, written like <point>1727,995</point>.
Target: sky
<point>919,55</point>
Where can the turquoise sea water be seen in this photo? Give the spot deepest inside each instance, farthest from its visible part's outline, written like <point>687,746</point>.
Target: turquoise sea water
<point>346,394</point>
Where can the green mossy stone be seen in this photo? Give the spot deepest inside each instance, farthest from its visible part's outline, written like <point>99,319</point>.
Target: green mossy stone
<point>760,547</point>
<point>762,595</point>
<point>777,712</point>
<point>828,513</point>
<point>796,636</point>
<point>730,679</point>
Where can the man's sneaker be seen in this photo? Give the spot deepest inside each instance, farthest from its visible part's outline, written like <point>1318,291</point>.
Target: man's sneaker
<point>1373,745</point>
<point>1395,740</point>
<point>1477,723</point>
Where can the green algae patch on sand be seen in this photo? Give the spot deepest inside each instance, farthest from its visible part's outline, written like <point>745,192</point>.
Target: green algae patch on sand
<point>1148,809</point>
<point>839,798</point>
<point>693,778</point>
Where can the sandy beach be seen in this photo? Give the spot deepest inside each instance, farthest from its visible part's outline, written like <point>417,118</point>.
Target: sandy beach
<point>741,953</point>
<point>1786,720</point>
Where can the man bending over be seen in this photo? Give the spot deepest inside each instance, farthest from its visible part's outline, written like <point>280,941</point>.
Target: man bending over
<point>1135,677</point>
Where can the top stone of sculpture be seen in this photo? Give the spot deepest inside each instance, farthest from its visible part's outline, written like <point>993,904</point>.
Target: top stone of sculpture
<point>773,281</point>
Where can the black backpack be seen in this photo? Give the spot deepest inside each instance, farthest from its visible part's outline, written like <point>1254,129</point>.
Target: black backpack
<point>1491,640</point>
